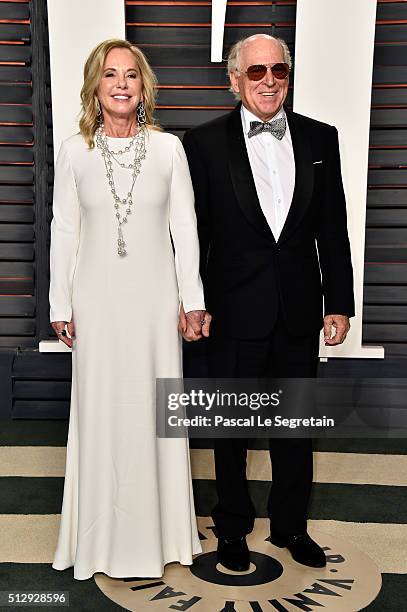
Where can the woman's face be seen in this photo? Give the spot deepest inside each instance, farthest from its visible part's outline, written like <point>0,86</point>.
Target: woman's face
<point>120,88</point>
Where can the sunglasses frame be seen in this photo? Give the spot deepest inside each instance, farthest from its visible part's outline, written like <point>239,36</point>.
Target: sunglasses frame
<point>271,66</point>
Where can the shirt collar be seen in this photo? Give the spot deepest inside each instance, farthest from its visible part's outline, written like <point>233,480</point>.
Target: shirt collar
<point>248,116</point>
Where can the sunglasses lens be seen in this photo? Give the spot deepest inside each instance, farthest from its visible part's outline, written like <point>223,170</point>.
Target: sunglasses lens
<point>256,72</point>
<point>280,71</point>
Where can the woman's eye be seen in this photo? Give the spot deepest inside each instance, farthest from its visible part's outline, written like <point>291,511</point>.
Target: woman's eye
<point>133,75</point>
<point>109,74</point>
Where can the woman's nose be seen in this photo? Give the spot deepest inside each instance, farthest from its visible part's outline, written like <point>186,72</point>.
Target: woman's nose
<point>121,81</point>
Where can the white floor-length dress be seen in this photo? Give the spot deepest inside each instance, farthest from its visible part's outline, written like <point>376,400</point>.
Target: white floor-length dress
<point>128,506</point>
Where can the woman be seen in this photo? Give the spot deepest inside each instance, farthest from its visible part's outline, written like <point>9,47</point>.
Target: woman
<point>122,192</point>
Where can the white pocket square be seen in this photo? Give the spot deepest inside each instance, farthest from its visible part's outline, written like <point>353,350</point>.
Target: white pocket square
<point>317,162</point>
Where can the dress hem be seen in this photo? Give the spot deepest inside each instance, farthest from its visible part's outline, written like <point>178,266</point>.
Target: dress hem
<point>63,566</point>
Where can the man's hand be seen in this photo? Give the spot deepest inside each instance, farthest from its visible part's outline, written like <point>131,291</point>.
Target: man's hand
<point>336,328</point>
<point>59,326</point>
<point>190,325</point>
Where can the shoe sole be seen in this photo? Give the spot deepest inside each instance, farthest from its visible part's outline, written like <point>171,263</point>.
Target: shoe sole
<point>234,569</point>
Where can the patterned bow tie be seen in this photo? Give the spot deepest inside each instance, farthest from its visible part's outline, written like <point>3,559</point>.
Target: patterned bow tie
<point>276,127</point>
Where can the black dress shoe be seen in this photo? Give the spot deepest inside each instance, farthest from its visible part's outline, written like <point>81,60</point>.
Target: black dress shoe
<point>234,554</point>
<point>302,548</point>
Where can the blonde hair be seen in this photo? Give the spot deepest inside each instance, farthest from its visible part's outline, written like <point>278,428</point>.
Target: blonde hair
<point>92,73</point>
<point>234,54</point>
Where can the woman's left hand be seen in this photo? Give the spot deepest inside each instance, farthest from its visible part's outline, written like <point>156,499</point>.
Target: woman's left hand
<point>194,324</point>
<point>59,329</point>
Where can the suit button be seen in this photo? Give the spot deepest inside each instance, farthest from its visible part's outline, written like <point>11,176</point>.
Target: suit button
<point>277,250</point>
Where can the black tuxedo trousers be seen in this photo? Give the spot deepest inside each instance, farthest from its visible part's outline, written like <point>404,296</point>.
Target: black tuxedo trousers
<point>281,355</point>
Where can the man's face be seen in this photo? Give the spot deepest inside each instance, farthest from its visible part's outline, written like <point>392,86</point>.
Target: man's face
<point>263,98</point>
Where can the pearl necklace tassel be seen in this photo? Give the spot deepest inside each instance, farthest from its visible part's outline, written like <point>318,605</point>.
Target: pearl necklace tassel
<point>138,141</point>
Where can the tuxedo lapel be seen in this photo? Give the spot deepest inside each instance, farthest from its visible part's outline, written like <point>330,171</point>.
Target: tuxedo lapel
<point>304,176</point>
<point>242,178</point>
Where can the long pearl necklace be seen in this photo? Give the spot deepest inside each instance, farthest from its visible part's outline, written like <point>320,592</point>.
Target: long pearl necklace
<point>138,141</point>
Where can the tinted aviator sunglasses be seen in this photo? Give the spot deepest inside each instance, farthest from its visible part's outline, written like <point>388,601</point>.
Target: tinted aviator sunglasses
<point>259,71</point>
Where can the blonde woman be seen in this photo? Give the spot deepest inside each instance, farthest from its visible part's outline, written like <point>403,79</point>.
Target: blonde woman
<point>122,196</point>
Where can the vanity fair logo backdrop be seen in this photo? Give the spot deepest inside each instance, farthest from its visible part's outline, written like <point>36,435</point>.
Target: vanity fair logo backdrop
<point>273,582</point>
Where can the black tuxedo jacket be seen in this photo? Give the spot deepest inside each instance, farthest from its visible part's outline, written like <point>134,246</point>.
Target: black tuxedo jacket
<point>247,275</point>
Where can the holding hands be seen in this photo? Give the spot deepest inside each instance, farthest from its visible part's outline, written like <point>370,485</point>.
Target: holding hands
<point>194,325</point>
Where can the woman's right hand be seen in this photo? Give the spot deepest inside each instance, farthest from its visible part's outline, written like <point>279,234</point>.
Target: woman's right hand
<point>59,326</point>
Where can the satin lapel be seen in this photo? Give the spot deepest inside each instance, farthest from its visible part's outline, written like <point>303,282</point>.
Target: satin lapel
<point>242,178</point>
<point>304,176</point>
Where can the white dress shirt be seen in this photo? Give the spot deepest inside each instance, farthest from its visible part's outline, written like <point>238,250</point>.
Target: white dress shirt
<point>273,168</point>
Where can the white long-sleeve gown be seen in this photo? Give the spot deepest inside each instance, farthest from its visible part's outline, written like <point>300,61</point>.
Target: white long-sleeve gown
<point>128,506</point>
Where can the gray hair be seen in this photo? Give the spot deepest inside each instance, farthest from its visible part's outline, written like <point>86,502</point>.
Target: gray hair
<point>234,54</point>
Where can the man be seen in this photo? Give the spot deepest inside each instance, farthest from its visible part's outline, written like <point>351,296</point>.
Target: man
<point>272,221</point>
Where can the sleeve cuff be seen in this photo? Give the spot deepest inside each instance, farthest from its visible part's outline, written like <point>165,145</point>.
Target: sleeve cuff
<point>60,315</point>
<point>196,306</point>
